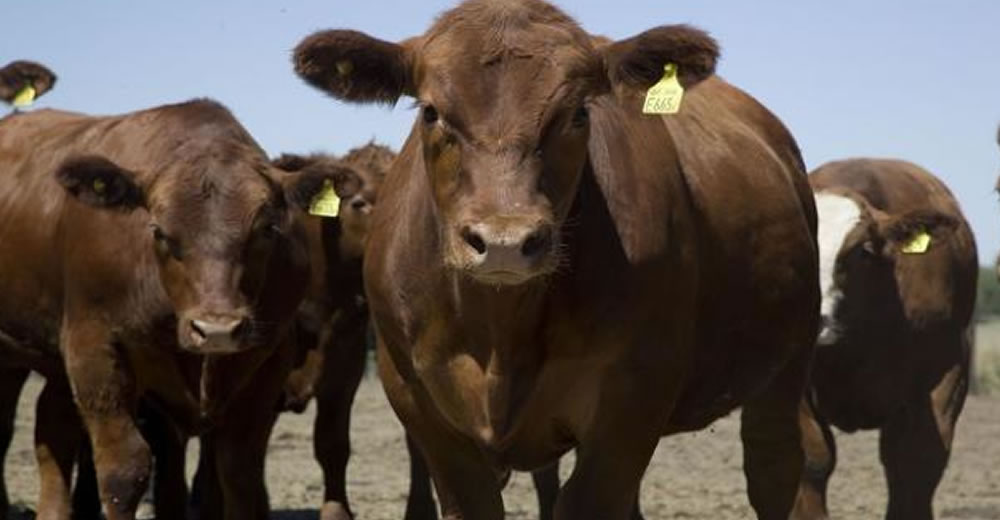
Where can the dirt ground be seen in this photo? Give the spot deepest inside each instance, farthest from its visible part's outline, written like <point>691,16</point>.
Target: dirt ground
<point>691,476</point>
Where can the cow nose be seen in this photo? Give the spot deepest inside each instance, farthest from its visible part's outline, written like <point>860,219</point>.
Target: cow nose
<point>205,331</point>
<point>525,243</point>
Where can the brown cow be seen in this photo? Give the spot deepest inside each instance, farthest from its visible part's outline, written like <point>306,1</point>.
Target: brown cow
<point>333,320</point>
<point>159,250</point>
<point>552,269</point>
<point>898,270</point>
<point>17,75</point>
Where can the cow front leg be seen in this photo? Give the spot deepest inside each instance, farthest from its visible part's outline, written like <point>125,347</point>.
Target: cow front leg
<point>773,458</point>
<point>546,482</point>
<point>468,486</point>
<point>170,494</point>
<point>821,458</point>
<point>343,367</point>
<point>11,383</point>
<point>616,447</point>
<point>420,503</point>
<point>58,435</point>
<point>105,394</point>
<point>915,445</point>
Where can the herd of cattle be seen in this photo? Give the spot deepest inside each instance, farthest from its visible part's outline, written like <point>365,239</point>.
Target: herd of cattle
<point>545,268</point>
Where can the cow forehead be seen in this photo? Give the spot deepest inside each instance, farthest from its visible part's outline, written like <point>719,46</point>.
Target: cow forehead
<point>838,216</point>
<point>216,197</point>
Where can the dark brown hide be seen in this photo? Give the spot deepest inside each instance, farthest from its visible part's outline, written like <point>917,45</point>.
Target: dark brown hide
<point>551,269</point>
<point>332,323</point>
<point>159,251</point>
<point>898,359</point>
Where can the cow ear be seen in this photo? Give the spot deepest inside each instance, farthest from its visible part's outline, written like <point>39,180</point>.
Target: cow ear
<point>916,231</point>
<point>302,187</point>
<point>352,66</point>
<point>291,162</point>
<point>98,182</point>
<point>639,61</point>
<point>17,75</point>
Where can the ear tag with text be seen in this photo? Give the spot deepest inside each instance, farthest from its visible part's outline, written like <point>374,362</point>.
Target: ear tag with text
<point>25,97</point>
<point>919,244</point>
<point>664,97</point>
<point>326,203</point>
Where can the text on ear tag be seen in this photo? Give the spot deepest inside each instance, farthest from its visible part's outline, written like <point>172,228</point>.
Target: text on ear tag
<point>665,96</point>
<point>326,203</point>
<point>25,97</point>
<point>919,244</point>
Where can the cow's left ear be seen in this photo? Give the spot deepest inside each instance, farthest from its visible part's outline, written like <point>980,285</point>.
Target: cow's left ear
<point>639,61</point>
<point>302,187</point>
<point>98,182</point>
<point>916,231</point>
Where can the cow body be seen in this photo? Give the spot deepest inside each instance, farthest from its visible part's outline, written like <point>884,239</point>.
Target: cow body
<point>551,269</point>
<point>157,250</point>
<point>899,275</point>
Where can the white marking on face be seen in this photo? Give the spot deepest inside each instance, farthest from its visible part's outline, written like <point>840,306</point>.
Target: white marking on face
<point>838,216</point>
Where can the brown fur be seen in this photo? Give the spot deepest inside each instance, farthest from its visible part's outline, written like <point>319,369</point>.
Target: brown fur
<point>19,74</point>
<point>900,362</point>
<point>115,272</point>
<point>655,272</point>
<point>333,320</point>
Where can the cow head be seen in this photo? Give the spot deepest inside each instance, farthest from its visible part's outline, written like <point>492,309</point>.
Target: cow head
<point>17,75</point>
<point>362,171</point>
<point>869,260</point>
<point>504,90</point>
<point>221,230</point>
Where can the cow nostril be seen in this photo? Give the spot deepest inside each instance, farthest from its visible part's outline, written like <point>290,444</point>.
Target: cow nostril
<point>537,243</point>
<point>240,329</point>
<point>198,333</point>
<point>474,240</point>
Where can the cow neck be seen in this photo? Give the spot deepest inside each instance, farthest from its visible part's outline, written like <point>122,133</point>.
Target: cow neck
<point>501,330</point>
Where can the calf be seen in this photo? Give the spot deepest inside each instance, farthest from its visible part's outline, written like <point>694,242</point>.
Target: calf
<point>898,269</point>
<point>550,268</point>
<point>160,252</point>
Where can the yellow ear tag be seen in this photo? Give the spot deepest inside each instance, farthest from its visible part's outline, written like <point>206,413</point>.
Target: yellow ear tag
<point>664,97</point>
<point>919,244</point>
<point>99,186</point>
<point>25,97</point>
<point>326,203</point>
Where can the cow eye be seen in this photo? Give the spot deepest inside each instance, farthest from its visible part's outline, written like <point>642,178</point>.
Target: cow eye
<point>429,114</point>
<point>580,117</point>
<point>164,244</point>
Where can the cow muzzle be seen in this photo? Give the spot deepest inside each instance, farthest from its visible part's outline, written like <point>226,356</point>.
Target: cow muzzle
<point>216,334</point>
<point>505,252</point>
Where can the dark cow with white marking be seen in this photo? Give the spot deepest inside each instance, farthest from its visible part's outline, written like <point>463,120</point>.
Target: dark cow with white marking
<point>898,271</point>
<point>551,269</point>
<point>160,251</point>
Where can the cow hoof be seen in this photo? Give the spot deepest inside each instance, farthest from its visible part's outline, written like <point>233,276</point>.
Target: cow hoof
<point>334,511</point>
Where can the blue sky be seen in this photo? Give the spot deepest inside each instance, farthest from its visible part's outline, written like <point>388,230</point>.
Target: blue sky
<point>917,80</point>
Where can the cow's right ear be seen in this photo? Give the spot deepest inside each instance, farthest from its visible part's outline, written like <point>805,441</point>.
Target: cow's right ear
<point>98,182</point>
<point>291,162</point>
<point>352,66</point>
<point>302,186</point>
